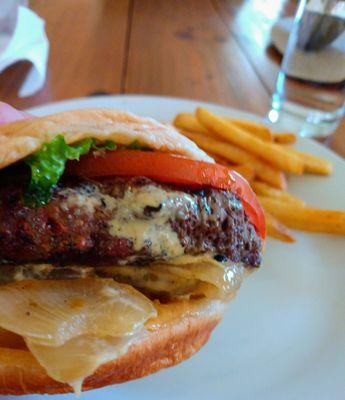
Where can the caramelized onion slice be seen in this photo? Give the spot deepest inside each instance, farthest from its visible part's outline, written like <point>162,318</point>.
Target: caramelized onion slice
<point>186,276</point>
<point>78,358</point>
<point>53,312</point>
<point>225,278</point>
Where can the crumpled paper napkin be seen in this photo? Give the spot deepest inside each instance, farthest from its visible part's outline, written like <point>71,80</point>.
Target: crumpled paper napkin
<point>27,40</point>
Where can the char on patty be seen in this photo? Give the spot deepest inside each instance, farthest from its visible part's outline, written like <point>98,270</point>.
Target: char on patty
<point>124,221</point>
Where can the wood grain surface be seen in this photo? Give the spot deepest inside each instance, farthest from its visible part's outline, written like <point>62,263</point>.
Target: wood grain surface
<point>212,50</point>
<point>188,51</point>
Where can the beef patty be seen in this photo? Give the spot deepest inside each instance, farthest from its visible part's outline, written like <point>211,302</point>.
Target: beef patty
<point>125,221</point>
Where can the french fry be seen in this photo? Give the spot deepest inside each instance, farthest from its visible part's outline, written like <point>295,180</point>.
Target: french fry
<point>284,137</point>
<point>220,160</point>
<point>313,164</point>
<point>246,170</point>
<point>259,130</point>
<point>277,230</point>
<point>189,122</point>
<point>238,156</point>
<point>272,153</point>
<point>265,190</point>
<point>305,218</point>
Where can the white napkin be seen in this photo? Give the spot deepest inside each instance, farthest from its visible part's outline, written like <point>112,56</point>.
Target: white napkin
<point>28,41</point>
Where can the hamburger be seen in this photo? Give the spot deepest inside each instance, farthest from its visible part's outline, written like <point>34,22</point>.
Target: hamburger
<point>121,242</point>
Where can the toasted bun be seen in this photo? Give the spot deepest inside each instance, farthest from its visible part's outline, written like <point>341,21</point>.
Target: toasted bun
<point>179,331</point>
<point>22,138</point>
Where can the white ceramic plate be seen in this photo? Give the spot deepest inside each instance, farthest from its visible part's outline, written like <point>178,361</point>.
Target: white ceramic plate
<point>284,335</point>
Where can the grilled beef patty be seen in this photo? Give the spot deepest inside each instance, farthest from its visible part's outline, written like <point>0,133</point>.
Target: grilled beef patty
<point>125,221</point>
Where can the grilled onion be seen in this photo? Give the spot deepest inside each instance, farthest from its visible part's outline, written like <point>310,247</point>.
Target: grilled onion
<point>188,276</point>
<point>52,312</point>
<point>79,357</point>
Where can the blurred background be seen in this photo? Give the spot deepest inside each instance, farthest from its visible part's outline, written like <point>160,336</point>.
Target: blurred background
<point>213,50</point>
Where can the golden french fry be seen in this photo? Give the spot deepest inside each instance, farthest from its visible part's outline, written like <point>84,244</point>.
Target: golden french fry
<point>284,137</point>
<point>236,155</point>
<point>246,170</point>
<point>305,218</point>
<point>189,122</point>
<point>259,130</point>
<point>313,164</point>
<point>265,190</point>
<point>277,230</point>
<point>272,153</point>
<point>220,160</point>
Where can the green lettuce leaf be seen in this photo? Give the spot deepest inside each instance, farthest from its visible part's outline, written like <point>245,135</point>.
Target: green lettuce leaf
<point>107,145</point>
<point>48,165</point>
<point>135,145</point>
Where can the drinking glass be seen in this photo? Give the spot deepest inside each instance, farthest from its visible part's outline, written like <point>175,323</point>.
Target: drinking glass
<point>310,89</point>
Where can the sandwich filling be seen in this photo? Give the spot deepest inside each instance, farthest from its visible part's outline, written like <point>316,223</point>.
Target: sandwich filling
<point>83,274</point>
<point>125,221</point>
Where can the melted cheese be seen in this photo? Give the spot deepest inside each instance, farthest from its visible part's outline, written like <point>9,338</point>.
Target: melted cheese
<point>83,198</point>
<point>128,219</point>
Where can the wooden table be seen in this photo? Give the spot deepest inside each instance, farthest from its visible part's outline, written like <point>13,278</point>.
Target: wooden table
<point>213,50</point>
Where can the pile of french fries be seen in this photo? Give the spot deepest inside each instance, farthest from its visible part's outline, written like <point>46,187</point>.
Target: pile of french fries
<point>264,158</point>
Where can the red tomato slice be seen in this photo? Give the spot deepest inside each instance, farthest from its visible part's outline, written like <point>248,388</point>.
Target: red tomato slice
<point>169,168</point>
